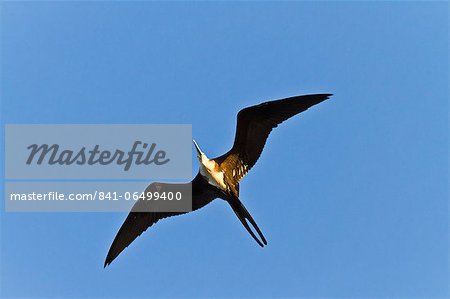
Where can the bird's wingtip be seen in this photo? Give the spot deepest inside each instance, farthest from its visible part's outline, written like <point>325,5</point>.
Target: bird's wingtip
<point>325,96</point>
<point>318,98</point>
<point>108,262</point>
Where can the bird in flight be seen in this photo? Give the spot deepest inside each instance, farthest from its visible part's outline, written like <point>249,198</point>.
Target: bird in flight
<point>219,177</point>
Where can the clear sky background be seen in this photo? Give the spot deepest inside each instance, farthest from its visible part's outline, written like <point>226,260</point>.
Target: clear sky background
<point>352,195</point>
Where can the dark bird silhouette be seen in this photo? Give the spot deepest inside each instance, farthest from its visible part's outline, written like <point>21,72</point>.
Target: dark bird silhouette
<point>220,177</point>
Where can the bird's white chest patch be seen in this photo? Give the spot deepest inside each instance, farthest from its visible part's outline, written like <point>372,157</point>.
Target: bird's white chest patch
<point>214,177</point>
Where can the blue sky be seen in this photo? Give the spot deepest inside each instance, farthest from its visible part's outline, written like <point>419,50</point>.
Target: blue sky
<point>352,195</point>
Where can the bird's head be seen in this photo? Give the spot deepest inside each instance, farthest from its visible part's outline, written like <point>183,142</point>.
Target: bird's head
<point>200,155</point>
<point>199,151</point>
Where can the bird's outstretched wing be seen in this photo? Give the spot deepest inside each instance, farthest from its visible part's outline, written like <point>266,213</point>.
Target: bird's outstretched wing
<point>254,125</point>
<point>138,221</point>
<point>134,225</point>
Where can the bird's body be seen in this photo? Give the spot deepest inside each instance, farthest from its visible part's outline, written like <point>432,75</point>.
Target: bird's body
<point>219,177</point>
<point>210,170</point>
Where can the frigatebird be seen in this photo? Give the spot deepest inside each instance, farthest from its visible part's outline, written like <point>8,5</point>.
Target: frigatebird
<point>220,177</point>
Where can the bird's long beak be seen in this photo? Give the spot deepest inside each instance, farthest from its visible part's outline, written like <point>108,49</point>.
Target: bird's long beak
<point>199,151</point>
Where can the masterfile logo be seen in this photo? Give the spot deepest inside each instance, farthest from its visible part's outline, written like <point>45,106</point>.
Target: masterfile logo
<point>98,151</point>
<point>53,155</point>
<point>102,168</point>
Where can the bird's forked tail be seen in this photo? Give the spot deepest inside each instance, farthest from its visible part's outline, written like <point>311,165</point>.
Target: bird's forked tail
<point>243,215</point>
